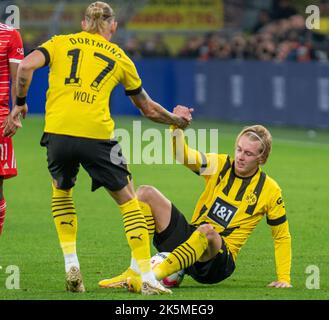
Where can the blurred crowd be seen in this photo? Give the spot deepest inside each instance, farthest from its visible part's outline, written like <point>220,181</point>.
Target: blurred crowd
<point>279,34</point>
<point>279,40</point>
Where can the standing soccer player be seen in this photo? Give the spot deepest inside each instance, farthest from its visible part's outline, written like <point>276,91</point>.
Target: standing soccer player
<point>11,54</point>
<point>84,69</point>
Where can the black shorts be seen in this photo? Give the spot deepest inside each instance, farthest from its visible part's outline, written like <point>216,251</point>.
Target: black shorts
<point>178,231</point>
<point>102,159</point>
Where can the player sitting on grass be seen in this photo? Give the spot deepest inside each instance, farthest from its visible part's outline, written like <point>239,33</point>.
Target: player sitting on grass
<point>237,195</point>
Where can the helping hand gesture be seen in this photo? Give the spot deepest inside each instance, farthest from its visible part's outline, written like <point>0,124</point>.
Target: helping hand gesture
<point>184,114</point>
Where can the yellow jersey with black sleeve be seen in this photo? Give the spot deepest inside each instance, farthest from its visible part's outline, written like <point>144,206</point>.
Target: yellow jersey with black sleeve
<point>84,69</point>
<point>234,205</point>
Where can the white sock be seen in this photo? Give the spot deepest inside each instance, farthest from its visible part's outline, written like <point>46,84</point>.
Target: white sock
<point>134,265</point>
<point>146,276</point>
<point>71,260</point>
<point>149,277</point>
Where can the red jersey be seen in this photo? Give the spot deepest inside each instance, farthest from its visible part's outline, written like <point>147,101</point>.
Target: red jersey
<point>11,50</point>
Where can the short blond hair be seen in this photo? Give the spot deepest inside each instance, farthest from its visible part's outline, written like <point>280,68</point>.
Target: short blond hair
<point>258,133</point>
<point>97,16</point>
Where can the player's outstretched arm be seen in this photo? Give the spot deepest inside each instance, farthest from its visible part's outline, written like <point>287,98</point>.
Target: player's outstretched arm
<point>155,112</point>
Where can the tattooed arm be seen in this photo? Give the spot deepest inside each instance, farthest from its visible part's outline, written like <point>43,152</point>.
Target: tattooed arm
<point>25,71</point>
<point>155,112</point>
<point>33,61</point>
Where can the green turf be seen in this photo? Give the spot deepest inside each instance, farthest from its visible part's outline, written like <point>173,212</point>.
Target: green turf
<point>299,163</point>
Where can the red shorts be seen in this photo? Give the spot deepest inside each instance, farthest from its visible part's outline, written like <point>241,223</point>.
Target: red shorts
<point>7,157</point>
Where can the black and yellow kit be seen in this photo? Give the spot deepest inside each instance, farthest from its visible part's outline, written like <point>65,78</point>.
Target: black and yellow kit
<point>84,69</point>
<point>235,205</point>
<point>79,129</point>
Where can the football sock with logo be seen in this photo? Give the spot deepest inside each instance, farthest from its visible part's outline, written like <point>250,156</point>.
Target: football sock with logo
<point>147,213</point>
<point>137,237</point>
<point>183,256</point>
<point>66,223</point>
<point>3,206</point>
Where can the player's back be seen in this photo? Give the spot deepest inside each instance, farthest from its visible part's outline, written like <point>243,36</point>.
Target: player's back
<point>84,69</point>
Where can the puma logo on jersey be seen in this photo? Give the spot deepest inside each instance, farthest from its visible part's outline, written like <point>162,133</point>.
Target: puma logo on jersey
<point>69,223</point>
<point>136,237</point>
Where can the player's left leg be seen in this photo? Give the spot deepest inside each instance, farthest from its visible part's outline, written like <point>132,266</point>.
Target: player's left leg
<point>7,170</point>
<point>2,206</point>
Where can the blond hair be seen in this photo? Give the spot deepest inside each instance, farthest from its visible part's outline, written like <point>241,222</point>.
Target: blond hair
<point>261,134</point>
<point>97,16</point>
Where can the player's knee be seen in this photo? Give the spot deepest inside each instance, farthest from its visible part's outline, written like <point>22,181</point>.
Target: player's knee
<point>61,192</point>
<point>145,193</point>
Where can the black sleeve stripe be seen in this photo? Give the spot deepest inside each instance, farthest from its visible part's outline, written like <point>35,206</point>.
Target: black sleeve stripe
<point>226,167</point>
<point>277,221</point>
<point>46,54</point>
<point>134,92</point>
<point>204,162</point>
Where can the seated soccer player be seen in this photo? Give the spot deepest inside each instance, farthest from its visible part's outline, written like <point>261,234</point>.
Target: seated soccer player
<point>237,195</point>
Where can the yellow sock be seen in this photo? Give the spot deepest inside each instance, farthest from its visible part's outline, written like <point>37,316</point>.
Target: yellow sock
<point>147,213</point>
<point>137,234</point>
<point>183,256</point>
<point>65,219</point>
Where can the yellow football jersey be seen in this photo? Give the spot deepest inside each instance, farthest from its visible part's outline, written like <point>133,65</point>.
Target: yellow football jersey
<point>84,69</point>
<point>234,205</point>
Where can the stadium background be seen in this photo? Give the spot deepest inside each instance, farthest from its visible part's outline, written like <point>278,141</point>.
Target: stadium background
<point>236,62</point>
<point>204,53</point>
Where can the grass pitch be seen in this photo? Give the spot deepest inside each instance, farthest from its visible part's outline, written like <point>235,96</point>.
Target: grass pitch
<point>299,163</point>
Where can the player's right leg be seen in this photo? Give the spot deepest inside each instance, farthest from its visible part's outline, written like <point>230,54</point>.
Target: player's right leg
<point>120,281</point>
<point>138,239</point>
<point>152,203</point>
<point>104,163</point>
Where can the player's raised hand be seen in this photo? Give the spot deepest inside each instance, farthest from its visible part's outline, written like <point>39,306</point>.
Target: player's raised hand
<point>279,284</point>
<point>185,114</point>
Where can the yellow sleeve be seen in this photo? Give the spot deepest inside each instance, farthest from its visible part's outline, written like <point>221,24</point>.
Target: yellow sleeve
<point>203,164</point>
<point>131,80</point>
<point>282,247</point>
<point>191,158</point>
<point>276,218</point>
<point>48,49</point>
